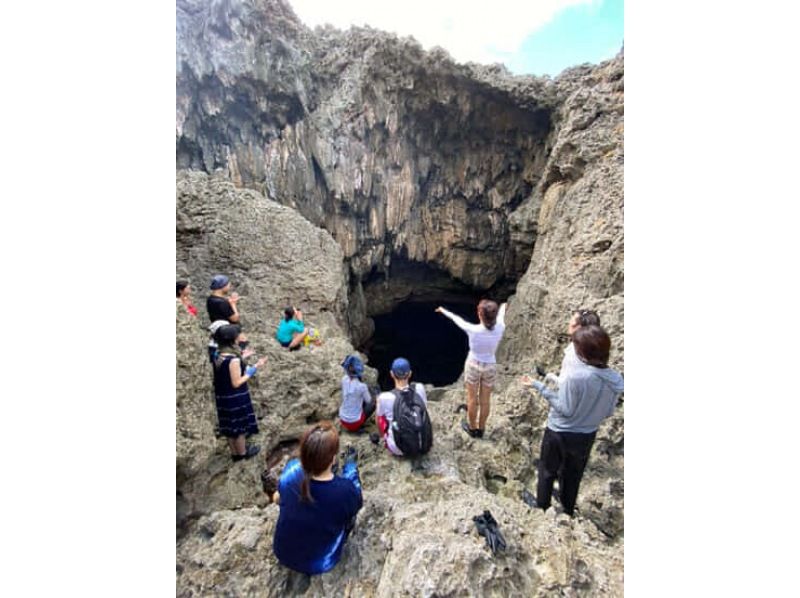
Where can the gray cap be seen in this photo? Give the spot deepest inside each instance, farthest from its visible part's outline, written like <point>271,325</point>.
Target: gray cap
<point>219,281</point>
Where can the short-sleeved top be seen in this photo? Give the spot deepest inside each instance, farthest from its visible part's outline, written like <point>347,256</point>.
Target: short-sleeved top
<point>286,330</point>
<point>354,394</point>
<point>219,308</point>
<point>386,409</point>
<point>309,537</point>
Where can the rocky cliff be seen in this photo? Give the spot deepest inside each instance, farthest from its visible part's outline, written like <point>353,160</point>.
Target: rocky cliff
<point>348,171</point>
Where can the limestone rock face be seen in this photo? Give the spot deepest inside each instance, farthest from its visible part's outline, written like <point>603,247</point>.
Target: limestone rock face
<point>397,152</point>
<point>578,259</point>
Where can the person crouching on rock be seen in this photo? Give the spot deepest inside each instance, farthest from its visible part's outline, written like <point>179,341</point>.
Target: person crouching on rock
<point>291,330</point>
<point>357,402</point>
<point>586,397</point>
<point>183,292</point>
<point>234,407</point>
<point>480,369</point>
<point>402,414</point>
<point>317,508</point>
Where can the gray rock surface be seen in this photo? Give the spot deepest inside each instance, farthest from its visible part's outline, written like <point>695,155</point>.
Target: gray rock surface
<point>350,170</point>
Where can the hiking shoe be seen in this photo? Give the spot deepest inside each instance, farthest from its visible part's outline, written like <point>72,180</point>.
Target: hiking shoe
<point>374,438</point>
<point>478,433</point>
<point>252,451</point>
<point>468,430</point>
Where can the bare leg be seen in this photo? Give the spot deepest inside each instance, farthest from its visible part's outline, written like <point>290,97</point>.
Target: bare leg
<point>232,444</point>
<point>298,338</point>
<point>238,445</point>
<point>485,395</point>
<point>472,405</point>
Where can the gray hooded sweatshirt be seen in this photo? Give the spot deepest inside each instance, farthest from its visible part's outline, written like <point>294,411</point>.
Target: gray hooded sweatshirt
<point>583,400</point>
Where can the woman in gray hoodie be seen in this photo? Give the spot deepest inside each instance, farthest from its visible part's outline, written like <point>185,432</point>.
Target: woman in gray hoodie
<point>586,397</point>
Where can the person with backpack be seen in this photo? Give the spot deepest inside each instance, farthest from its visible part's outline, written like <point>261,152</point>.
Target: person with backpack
<point>317,507</point>
<point>480,369</point>
<point>357,402</point>
<point>232,396</point>
<point>402,414</point>
<point>586,397</point>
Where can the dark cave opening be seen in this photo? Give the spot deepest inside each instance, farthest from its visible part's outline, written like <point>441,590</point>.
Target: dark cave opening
<point>435,346</point>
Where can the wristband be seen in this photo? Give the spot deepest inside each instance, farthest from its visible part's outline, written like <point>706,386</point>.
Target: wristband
<point>251,370</point>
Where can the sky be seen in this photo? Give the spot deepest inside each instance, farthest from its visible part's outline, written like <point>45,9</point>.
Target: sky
<point>539,37</point>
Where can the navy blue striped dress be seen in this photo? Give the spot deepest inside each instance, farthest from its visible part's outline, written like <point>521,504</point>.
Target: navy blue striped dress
<point>234,408</point>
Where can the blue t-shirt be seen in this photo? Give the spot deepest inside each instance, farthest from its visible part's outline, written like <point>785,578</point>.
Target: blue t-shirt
<point>287,329</point>
<point>309,537</point>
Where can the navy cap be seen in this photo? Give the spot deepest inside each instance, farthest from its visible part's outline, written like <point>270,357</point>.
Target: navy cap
<point>354,363</point>
<point>219,281</point>
<point>400,367</point>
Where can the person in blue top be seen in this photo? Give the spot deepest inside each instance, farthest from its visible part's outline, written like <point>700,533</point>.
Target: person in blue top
<point>317,507</point>
<point>291,331</point>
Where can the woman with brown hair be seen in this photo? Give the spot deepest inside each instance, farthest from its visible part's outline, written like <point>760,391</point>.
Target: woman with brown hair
<point>586,397</point>
<point>318,507</point>
<point>480,369</point>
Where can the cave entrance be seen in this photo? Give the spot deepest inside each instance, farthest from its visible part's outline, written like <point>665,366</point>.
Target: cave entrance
<point>435,346</point>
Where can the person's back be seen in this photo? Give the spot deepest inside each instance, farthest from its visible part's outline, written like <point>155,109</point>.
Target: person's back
<point>585,398</point>
<point>317,508</point>
<point>386,401</point>
<point>309,537</point>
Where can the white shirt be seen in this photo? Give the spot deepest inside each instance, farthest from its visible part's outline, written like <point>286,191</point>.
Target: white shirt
<point>482,341</point>
<point>386,409</point>
<point>354,394</point>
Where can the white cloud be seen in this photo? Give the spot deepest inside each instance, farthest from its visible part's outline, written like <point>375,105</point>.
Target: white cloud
<point>476,31</point>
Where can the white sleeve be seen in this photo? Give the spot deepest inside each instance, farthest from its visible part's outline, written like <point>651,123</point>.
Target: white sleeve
<point>419,388</point>
<point>501,315</point>
<point>381,402</point>
<point>462,323</point>
<point>365,396</point>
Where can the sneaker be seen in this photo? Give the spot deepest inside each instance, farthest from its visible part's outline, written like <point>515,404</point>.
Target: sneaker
<point>478,433</point>
<point>251,452</point>
<point>468,430</point>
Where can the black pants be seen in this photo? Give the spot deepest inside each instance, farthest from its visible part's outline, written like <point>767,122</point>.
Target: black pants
<point>564,456</point>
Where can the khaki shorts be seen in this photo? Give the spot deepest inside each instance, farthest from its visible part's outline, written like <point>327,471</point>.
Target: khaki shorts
<point>478,372</point>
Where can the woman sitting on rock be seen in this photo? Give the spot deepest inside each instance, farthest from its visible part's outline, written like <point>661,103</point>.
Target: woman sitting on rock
<point>183,293</point>
<point>291,331</point>
<point>317,508</point>
<point>480,369</point>
<point>234,407</point>
<point>357,402</point>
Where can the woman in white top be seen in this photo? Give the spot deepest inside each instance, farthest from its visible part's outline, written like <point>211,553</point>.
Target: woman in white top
<point>357,402</point>
<point>480,369</point>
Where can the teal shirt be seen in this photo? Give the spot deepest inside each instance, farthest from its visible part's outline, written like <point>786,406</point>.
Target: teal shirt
<point>287,329</point>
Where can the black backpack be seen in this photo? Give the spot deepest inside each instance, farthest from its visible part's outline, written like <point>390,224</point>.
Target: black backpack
<point>411,426</point>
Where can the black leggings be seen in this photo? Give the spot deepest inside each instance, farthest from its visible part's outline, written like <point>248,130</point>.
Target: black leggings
<point>564,456</point>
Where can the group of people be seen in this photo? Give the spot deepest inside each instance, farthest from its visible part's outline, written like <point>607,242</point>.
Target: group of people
<point>319,503</point>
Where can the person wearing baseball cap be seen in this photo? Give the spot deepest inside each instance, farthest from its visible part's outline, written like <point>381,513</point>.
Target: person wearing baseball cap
<point>400,372</point>
<point>221,303</point>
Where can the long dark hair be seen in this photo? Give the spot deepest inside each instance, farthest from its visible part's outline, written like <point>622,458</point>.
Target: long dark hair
<point>318,445</point>
<point>592,345</point>
<point>488,312</point>
<point>288,313</point>
<point>179,286</point>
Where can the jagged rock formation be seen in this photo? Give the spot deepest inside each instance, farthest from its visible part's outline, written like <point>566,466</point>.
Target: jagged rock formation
<point>350,170</point>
